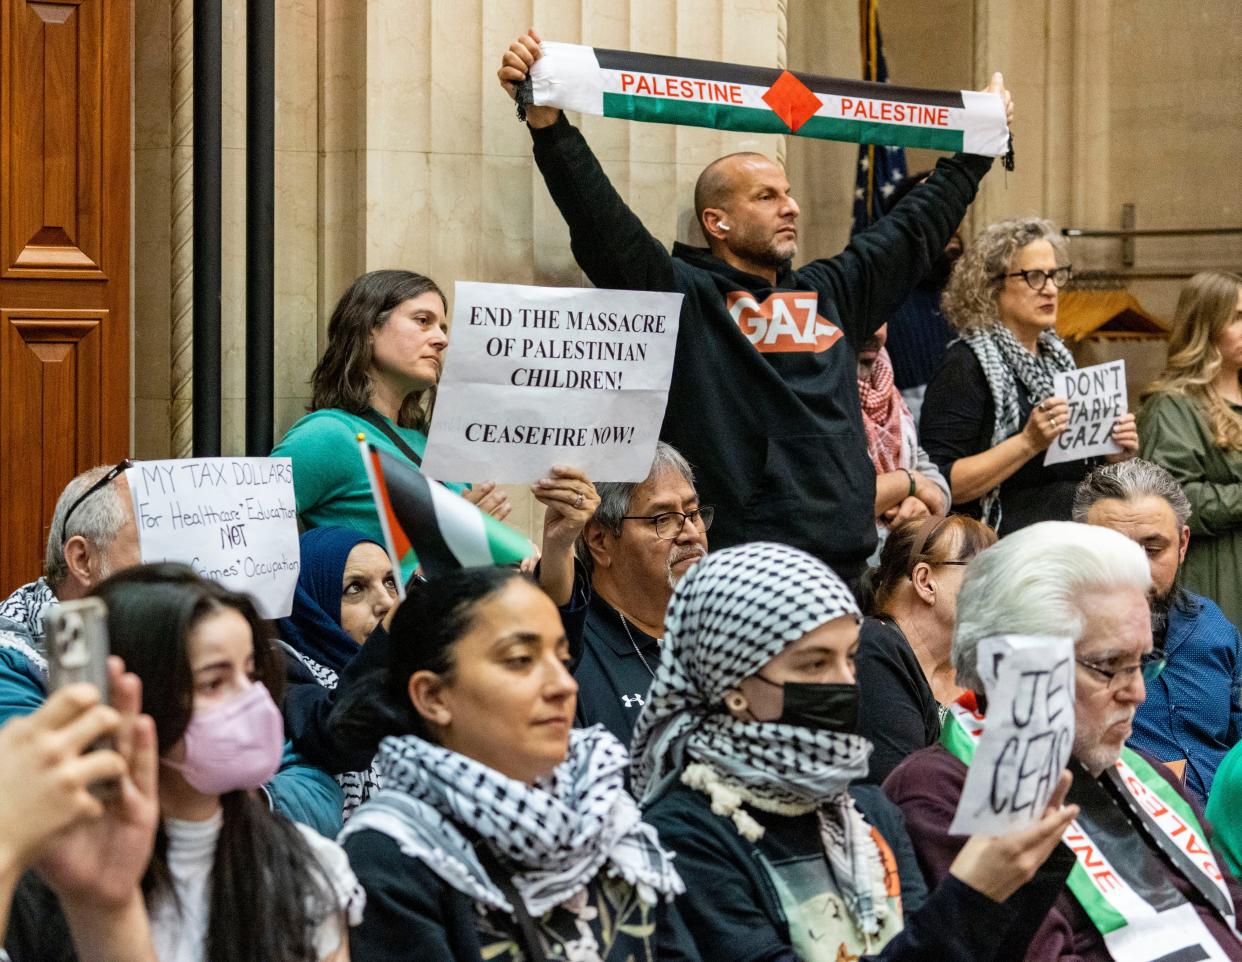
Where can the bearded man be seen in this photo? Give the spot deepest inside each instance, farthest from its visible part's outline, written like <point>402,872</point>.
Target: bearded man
<point>1192,711</point>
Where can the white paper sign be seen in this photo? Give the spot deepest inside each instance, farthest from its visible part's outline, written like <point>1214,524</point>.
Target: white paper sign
<point>1097,398</point>
<point>1028,735</point>
<point>233,520</point>
<point>538,376</point>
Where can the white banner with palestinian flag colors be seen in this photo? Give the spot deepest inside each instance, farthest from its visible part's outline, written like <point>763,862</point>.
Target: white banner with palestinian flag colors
<point>702,93</point>
<point>428,526</point>
<point>1141,919</point>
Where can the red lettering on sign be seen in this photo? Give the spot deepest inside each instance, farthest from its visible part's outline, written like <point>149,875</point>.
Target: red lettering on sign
<point>627,80</point>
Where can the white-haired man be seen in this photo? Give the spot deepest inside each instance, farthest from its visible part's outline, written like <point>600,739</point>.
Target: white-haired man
<point>1147,885</point>
<point>1193,710</point>
<point>637,540</point>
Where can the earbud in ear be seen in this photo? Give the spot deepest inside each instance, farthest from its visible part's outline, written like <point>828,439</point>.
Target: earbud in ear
<point>735,701</point>
<point>723,226</point>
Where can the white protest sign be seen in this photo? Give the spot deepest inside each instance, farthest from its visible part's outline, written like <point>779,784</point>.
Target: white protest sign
<point>538,376</point>
<point>1028,734</point>
<point>233,520</point>
<point>1097,398</point>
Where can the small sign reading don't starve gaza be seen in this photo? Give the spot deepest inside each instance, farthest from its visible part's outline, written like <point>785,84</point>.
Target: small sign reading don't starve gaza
<point>1097,398</point>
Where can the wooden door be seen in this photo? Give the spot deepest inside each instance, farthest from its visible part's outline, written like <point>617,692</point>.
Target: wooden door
<point>65,96</point>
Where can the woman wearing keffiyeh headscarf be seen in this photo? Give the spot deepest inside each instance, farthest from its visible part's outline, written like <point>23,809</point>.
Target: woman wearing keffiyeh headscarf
<point>743,758</point>
<point>499,833</point>
<point>991,411</point>
<point>345,587</point>
<point>907,482</point>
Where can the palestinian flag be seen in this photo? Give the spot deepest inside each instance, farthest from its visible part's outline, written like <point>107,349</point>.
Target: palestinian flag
<point>701,93</point>
<point>425,523</point>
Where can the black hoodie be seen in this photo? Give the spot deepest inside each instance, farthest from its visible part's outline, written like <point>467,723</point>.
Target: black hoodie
<point>764,398</point>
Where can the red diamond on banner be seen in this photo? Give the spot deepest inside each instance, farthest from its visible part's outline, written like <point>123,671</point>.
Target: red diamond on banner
<point>791,100</point>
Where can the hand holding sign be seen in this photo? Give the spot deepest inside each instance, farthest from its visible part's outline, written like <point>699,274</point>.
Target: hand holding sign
<point>1028,735</point>
<point>1095,399</point>
<point>999,865</point>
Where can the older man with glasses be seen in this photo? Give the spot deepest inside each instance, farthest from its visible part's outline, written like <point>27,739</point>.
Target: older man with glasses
<point>1192,714</point>
<point>93,534</point>
<point>1146,884</point>
<point>636,540</point>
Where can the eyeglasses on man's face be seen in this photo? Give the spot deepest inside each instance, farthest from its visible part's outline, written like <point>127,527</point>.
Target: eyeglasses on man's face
<point>1149,668</point>
<point>1036,279</point>
<point>668,524</point>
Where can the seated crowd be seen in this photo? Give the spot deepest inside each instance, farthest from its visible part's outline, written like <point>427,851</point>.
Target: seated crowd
<point>643,749</point>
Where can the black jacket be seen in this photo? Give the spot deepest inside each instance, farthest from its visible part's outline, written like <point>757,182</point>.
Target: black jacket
<point>412,913</point>
<point>764,396</point>
<point>734,912</point>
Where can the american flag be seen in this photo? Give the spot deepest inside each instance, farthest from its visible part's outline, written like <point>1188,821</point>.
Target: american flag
<point>880,169</point>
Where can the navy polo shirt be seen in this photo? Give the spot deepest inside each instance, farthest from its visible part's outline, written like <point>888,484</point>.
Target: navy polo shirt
<point>609,667</point>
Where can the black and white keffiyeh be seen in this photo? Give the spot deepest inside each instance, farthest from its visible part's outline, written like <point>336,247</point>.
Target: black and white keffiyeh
<point>1005,362</point>
<point>558,834</point>
<point>730,615</point>
<point>356,787</point>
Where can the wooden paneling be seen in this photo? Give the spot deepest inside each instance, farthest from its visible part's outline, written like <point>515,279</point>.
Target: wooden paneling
<point>64,258</point>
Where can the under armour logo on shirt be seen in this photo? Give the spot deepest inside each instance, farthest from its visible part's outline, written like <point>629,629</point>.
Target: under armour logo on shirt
<point>632,701</point>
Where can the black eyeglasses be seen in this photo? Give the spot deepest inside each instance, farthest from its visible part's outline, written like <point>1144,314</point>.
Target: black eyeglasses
<point>1036,279</point>
<point>1149,667</point>
<point>668,524</point>
<point>107,479</point>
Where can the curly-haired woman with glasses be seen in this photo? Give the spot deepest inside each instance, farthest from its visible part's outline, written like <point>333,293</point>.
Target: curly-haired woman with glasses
<point>990,411</point>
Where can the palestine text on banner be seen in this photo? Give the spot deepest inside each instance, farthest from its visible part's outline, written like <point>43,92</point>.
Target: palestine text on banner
<point>1097,397</point>
<point>233,520</point>
<point>702,93</point>
<point>423,518</point>
<point>541,376</point>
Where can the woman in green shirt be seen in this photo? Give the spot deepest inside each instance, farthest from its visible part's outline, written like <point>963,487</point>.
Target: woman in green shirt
<point>1191,423</point>
<point>378,376</point>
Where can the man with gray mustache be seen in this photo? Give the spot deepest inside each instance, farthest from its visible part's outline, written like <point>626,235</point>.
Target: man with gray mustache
<point>640,541</point>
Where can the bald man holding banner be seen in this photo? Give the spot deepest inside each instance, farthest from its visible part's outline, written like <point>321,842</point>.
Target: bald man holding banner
<point>764,399</point>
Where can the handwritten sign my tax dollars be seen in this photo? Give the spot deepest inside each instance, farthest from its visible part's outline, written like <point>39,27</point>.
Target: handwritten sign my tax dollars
<point>538,376</point>
<point>233,520</point>
<point>1028,735</point>
<point>1097,398</point>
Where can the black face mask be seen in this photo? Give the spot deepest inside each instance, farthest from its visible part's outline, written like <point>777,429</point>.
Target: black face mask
<point>820,707</point>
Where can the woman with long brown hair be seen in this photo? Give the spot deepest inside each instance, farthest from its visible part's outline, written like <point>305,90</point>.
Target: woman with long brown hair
<point>378,377</point>
<point>1191,423</point>
<point>903,665</point>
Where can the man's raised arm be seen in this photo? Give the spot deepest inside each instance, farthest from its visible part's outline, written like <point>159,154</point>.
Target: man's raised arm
<point>608,240</point>
<point>880,265</point>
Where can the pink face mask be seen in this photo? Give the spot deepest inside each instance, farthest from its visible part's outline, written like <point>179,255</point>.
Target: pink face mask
<point>233,746</point>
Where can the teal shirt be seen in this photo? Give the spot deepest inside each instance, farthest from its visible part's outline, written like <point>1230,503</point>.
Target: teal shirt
<point>1223,808</point>
<point>329,479</point>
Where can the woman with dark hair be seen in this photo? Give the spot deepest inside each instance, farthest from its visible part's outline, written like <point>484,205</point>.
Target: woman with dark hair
<point>230,881</point>
<point>345,588</point>
<point>903,667</point>
<point>500,833</point>
<point>743,759</point>
<point>1192,425</point>
<point>990,411</point>
<point>378,377</point>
